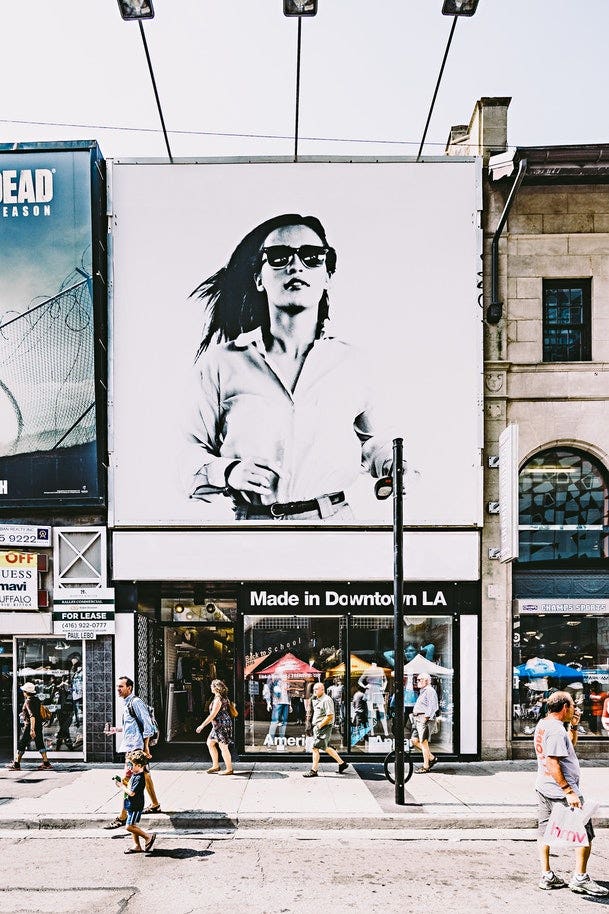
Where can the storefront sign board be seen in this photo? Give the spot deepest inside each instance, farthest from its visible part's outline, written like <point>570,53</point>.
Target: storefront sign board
<point>18,580</point>
<point>554,606</point>
<point>23,535</point>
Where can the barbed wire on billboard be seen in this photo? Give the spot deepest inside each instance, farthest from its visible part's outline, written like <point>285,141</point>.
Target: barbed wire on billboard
<point>47,377</point>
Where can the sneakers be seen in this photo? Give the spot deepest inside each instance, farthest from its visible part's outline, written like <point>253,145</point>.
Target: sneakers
<point>14,766</point>
<point>342,767</point>
<point>551,881</point>
<point>586,886</point>
<point>310,774</point>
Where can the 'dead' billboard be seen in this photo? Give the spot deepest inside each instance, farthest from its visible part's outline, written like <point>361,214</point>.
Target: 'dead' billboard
<point>48,412</point>
<point>276,325</point>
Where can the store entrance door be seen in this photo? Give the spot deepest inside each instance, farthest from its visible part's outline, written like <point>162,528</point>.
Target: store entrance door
<point>194,655</point>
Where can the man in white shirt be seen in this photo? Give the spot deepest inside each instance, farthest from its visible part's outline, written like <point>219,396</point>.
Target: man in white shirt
<point>424,712</point>
<point>558,782</point>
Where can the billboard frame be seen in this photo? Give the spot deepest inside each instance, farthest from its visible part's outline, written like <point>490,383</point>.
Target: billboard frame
<point>17,507</point>
<point>158,524</point>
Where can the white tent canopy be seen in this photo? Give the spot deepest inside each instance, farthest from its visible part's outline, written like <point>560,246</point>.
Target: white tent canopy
<point>420,664</point>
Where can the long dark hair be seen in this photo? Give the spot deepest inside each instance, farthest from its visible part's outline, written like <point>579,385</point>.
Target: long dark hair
<point>233,304</point>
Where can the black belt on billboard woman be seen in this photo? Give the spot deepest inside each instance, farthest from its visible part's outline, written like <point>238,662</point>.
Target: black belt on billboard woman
<point>282,509</point>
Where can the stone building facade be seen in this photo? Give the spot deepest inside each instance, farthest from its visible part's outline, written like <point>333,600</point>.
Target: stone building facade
<point>546,309</point>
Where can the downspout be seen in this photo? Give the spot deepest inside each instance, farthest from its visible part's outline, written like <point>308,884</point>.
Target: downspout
<point>494,311</point>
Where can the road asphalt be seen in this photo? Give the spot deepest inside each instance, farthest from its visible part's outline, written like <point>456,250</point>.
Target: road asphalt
<point>476,795</point>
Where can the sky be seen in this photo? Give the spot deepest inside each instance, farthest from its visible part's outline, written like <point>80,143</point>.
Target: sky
<point>225,71</point>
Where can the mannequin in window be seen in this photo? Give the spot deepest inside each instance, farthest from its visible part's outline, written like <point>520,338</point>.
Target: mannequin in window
<point>374,684</point>
<point>337,693</point>
<point>280,697</point>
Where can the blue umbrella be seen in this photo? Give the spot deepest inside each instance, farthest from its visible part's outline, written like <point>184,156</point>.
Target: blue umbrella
<point>539,668</point>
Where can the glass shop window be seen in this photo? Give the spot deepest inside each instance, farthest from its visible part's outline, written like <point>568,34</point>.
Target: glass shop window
<point>55,669</point>
<point>284,658</point>
<point>565,652</point>
<point>428,648</point>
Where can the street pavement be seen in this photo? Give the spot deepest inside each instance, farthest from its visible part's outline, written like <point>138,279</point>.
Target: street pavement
<point>263,795</point>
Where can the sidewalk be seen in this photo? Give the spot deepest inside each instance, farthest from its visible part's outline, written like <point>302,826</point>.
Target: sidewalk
<point>497,795</point>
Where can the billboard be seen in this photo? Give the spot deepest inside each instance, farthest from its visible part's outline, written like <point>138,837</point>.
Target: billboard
<point>48,413</point>
<point>276,325</point>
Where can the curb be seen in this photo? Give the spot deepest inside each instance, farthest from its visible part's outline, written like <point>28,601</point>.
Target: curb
<point>195,822</point>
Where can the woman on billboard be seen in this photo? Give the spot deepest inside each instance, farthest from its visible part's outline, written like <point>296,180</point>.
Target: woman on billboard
<point>282,419</point>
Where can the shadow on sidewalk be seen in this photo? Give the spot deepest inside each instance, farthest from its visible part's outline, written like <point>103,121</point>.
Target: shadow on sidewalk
<point>179,853</point>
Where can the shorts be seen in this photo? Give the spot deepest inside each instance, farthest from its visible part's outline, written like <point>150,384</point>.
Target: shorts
<point>544,811</point>
<point>425,729</point>
<point>133,816</point>
<point>321,738</point>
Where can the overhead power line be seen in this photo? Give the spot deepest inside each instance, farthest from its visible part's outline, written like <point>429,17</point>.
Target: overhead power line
<point>217,133</point>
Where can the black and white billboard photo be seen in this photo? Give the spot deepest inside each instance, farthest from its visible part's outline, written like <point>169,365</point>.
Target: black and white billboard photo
<point>275,327</point>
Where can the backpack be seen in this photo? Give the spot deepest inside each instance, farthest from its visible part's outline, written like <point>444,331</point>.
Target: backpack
<point>45,713</point>
<point>155,736</point>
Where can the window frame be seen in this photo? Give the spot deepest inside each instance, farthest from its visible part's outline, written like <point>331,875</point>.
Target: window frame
<point>585,347</point>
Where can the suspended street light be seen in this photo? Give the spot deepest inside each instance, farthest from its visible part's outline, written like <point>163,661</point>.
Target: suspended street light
<point>136,9</point>
<point>299,7</point>
<point>454,8</point>
<point>459,7</point>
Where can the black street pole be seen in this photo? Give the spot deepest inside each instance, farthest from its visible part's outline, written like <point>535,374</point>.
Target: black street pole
<point>297,88</point>
<point>435,95</point>
<point>156,94</point>
<point>398,615</point>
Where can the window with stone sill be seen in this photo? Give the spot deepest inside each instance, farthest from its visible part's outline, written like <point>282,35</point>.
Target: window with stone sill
<point>566,320</point>
<point>563,508</point>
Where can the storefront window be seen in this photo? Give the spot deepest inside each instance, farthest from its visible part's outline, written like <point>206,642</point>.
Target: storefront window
<point>566,652</point>
<point>6,696</point>
<point>284,657</point>
<point>55,668</point>
<point>427,649</point>
<point>194,655</point>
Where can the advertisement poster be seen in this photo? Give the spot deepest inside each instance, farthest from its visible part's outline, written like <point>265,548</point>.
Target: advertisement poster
<point>48,449</point>
<point>18,580</point>
<point>277,325</point>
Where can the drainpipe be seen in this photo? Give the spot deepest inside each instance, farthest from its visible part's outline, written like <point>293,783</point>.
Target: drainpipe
<point>494,311</point>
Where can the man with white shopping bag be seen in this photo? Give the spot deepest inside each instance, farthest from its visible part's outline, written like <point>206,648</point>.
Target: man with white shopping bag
<point>558,783</point>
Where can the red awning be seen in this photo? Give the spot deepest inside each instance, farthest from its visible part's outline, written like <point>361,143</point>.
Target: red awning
<point>290,666</point>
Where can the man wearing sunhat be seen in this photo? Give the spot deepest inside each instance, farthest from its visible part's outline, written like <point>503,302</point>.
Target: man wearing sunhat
<point>32,728</point>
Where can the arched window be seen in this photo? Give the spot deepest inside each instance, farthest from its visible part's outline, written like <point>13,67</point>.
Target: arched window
<point>564,508</point>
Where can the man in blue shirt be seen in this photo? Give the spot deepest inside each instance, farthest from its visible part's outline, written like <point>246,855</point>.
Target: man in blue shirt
<point>137,729</point>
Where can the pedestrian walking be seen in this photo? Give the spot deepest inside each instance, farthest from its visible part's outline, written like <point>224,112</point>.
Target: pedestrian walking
<point>424,714</point>
<point>137,730</point>
<point>322,721</point>
<point>31,718</point>
<point>221,733</point>
<point>134,802</point>
<point>558,774</point>
<point>63,697</point>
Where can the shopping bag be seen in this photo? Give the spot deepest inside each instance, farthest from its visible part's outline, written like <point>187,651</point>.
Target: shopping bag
<point>567,825</point>
<point>309,743</point>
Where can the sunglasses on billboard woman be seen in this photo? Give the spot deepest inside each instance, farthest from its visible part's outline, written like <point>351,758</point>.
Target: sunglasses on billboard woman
<point>278,256</point>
